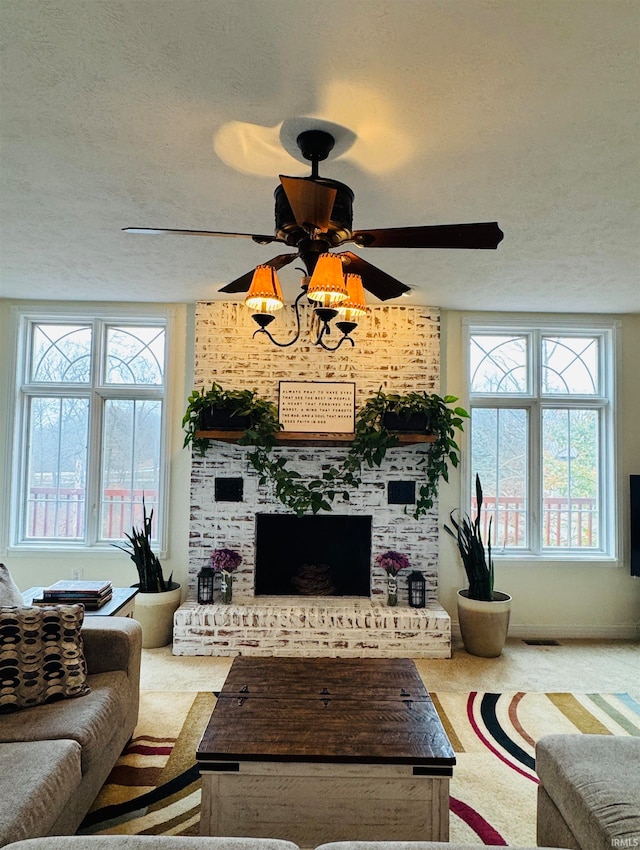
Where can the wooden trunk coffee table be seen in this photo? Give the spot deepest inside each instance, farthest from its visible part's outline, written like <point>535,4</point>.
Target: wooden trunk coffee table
<point>323,749</point>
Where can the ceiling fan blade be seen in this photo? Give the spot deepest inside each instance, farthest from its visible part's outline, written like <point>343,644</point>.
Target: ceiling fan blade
<point>379,283</point>
<point>310,202</point>
<point>242,284</point>
<point>482,235</point>
<point>163,231</point>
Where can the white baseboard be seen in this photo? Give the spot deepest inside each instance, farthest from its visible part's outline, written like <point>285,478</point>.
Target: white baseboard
<point>628,631</point>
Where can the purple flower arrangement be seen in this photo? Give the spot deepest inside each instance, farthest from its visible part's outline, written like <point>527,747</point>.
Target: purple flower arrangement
<point>392,562</point>
<point>225,559</point>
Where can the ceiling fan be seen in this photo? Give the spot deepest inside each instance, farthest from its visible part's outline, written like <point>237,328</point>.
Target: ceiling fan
<point>314,214</point>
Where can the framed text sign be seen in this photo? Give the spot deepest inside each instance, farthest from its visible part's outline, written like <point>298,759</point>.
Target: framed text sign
<point>324,407</point>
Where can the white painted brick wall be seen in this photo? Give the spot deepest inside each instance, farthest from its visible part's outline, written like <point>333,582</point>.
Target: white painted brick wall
<point>397,348</point>
<point>232,524</point>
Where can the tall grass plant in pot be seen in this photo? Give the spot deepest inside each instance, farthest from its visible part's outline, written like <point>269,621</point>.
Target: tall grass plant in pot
<point>157,599</point>
<point>483,612</point>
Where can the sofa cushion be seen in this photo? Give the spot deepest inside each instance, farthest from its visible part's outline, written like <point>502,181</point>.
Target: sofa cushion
<point>91,721</point>
<point>41,655</point>
<point>593,781</point>
<point>9,592</point>
<point>403,845</point>
<point>153,842</point>
<point>37,779</point>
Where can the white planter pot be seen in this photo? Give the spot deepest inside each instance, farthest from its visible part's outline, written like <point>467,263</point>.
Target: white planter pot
<point>154,612</point>
<point>484,625</point>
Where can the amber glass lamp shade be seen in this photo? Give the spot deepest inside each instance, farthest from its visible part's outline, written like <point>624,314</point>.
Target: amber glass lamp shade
<point>354,306</point>
<point>265,294</point>
<point>327,284</point>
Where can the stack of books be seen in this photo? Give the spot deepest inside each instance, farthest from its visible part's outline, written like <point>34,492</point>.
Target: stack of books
<point>92,594</point>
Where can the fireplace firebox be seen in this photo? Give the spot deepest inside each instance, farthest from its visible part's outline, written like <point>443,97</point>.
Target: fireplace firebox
<point>313,555</point>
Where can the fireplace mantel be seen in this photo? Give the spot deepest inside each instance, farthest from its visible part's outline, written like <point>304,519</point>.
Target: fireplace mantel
<point>303,438</point>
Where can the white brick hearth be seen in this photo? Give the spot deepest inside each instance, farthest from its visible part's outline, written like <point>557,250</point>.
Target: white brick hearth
<point>326,626</point>
<point>397,349</point>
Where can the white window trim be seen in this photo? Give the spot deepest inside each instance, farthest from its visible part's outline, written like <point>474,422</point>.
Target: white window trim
<point>21,317</point>
<point>609,554</point>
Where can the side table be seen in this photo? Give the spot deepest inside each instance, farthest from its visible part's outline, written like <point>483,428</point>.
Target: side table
<point>120,605</point>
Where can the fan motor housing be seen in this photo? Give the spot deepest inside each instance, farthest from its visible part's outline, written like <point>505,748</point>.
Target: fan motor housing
<point>340,222</point>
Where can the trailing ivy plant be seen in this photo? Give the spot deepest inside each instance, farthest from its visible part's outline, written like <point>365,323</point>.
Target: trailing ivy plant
<point>290,488</point>
<point>294,491</point>
<point>373,439</point>
<point>298,494</point>
<point>371,442</point>
<point>263,416</point>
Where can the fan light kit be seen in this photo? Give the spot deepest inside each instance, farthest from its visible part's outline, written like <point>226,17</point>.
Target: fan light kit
<point>332,292</point>
<point>314,215</point>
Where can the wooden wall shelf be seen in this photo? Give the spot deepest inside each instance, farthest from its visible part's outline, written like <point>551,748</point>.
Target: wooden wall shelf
<point>302,438</point>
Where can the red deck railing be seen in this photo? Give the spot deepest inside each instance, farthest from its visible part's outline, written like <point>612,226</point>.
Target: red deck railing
<point>565,522</point>
<point>59,513</point>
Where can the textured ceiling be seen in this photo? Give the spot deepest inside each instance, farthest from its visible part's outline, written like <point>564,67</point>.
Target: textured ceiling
<point>180,113</point>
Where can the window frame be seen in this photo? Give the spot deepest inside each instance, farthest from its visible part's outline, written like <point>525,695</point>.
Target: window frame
<point>534,402</point>
<point>97,391</point>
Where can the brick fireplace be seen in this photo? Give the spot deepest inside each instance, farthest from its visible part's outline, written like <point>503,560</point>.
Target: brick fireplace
<point>396,348</point>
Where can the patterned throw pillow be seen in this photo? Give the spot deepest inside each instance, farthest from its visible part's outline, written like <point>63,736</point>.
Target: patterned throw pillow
<point>9,593</point>
<point>41,655</point>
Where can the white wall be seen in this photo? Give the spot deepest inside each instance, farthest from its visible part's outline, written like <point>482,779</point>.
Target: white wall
<point>551,599</point>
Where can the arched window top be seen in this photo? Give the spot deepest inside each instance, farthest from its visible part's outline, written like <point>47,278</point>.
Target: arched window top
<point>570,365</point>
<point>499,364</point>
<point>61,354</point>
<point>135,355</point>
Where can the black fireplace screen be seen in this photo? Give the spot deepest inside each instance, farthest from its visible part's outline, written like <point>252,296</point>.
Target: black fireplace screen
<point>313,555</point>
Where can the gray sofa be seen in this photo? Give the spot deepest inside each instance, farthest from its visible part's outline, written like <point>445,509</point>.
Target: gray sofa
<point>589,792</point>
<point>151,842</point>
<point>54,758</point>
<point>165,842</point>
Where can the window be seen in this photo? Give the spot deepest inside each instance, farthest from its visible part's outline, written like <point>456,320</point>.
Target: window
<point>541,403</point>
<point>89,429</point>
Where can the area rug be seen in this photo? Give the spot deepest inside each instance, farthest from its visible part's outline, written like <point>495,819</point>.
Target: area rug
<point>155,788</point>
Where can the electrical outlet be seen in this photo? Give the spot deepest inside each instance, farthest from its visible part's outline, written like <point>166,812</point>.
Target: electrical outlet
<point>76,574</point>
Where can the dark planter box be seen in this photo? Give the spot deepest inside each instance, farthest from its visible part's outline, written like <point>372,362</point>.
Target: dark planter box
<point>219,419</point>
<point>414,423</point>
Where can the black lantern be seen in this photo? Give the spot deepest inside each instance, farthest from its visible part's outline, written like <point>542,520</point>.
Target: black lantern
<point>417,589</point>
<point>205,586</point>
